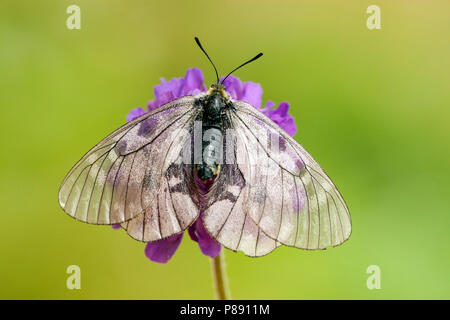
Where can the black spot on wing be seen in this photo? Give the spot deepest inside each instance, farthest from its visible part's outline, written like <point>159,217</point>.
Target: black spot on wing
<point>182,173</point>
<point>227,196</point>
<point>147,126</point>
<point>121,146</point>
<point>179,187</point>
<point>229,176</point>
<point>175,171</point>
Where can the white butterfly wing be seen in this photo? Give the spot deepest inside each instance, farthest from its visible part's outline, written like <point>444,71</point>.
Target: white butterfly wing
<point>288,195</point>
<point>226,218</point>
<point>173,209</point>
<point>128,173</point>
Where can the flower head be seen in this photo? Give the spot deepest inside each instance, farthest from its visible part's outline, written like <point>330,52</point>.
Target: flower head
<point>161,251</point>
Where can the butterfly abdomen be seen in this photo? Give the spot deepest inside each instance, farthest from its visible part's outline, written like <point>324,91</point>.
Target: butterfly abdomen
<point>211,153</point>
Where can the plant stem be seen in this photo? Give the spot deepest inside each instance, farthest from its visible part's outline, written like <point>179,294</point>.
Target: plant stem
<point>220,277</point>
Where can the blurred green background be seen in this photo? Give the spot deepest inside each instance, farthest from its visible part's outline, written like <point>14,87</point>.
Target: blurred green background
<point>372,106</point>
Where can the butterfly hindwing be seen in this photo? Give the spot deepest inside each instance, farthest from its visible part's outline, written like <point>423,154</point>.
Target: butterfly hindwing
<point>172,210</point>
<point>226,218</point>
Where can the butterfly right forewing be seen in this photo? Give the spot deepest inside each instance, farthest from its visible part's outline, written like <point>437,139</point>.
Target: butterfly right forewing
<point>289,196</point>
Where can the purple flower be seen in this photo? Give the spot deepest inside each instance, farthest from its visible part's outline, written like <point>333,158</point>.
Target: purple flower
<point>198,233</point>
<point>135,113</point>
<point>161,251</point>
<point>280,116</point>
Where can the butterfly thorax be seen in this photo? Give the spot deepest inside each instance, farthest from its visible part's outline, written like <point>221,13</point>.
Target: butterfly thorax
<point>213,105</point>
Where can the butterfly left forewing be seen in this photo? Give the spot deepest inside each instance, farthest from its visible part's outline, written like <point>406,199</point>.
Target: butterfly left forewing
<point>118,178</point>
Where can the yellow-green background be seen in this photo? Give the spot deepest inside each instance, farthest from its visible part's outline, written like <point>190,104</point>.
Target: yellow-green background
<point>371,106</point>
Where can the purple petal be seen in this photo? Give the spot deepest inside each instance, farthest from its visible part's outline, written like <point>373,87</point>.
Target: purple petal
<point>269,104</point>
<point>279,114</point>
<point>152,104</point>
<point>192,234</point>
<point>193,82</point>
<point>161,251</point>
<point>289,126</point>
<point>252,93</point>
<point>208,245</point>
<point>116,226</point>
<point>234,87</point>
<point>281,117</point>
<point>167,90</point>
<point>283,109</point>
<point>135,113</point>
<point>165,97</point>
<point>249,92</point>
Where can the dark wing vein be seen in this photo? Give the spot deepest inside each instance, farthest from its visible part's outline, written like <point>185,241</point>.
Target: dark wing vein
<point>128,183</point>
<point>95,182</point>
<point>229,213</point>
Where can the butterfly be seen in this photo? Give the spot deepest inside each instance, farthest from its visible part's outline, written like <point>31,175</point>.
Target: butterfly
<point>255,187</point>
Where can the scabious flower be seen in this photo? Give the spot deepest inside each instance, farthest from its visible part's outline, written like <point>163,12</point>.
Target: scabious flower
<point>161,251</point>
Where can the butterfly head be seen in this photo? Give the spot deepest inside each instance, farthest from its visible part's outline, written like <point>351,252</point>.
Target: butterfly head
<point>218,89</point>
<point>217,99</point>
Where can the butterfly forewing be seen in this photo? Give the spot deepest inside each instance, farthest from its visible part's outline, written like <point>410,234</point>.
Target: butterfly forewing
<point>119,178</point>
<point>288,195</point>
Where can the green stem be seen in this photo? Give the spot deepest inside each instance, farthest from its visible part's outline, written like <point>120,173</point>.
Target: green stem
<point>220,277</point>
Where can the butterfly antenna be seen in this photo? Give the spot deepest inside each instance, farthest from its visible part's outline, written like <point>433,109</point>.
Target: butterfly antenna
<point>253,59</point>
<point>200,45</point>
